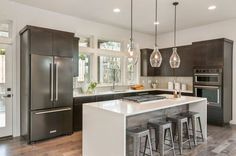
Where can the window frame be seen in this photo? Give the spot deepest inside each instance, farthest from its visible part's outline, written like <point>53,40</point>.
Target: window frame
<point>95,52</point>
<point>7,40</point>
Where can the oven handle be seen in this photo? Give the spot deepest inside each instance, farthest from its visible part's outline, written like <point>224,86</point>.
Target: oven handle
<point>207,74</point>
<point>209,87</point>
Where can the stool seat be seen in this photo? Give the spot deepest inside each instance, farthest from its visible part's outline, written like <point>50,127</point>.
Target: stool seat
<point>137,133</point>
<point>161,128</point>
<point>180,123</point>
<point>188,114</point>
<point>193,118</point>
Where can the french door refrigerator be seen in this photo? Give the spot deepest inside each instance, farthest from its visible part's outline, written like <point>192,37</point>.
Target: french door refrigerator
<point>48,64</point>
<point>51,96</point>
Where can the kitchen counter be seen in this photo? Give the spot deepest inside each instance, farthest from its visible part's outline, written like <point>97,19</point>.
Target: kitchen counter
<point>129,108</point>
<point>126,91</point>
<point>105,123</point>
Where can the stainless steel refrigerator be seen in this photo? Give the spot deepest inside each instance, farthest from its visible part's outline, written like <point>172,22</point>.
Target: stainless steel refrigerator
<point>51,96</point>
<point>46,86</point>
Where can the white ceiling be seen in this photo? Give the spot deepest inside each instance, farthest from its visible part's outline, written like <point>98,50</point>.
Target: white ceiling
<point>191,13</point>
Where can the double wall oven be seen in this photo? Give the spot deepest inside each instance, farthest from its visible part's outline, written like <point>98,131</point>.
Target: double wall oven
<point>208,84</point>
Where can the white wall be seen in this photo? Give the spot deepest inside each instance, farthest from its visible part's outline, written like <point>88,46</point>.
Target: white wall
<point>226,29</point>
<point>22,15</point>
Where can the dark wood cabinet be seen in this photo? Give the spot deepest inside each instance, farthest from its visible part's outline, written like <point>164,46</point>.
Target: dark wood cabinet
<point>187,57</point>
<point>78,111</point>
<point>41,41</point>
<point>145,66</point>
<point>209,53</point>
<point>63,44</point>
<point>76,57</point>
<point>203,53</point>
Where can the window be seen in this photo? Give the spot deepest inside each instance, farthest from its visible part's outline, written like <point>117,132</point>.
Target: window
<point>84,42</point>
<point>109,45</point>
<point>84,67</point>
<point>109,70</point>
<point>5,28</point>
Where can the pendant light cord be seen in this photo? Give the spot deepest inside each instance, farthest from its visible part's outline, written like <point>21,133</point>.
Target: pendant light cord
<point>131,29</point>
<point>156,25</point>
<point>175,21</point>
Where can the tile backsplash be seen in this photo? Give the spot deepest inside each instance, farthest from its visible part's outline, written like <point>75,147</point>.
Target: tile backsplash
<point>163,81</point>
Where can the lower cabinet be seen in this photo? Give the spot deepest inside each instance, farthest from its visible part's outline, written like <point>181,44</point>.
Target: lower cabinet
<point>215,115</point>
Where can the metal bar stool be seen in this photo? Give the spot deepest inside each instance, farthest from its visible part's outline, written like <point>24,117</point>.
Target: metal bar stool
<point>180,123</point>
<point>161,128</point>
<point>137,133</point>
<point>193,118</point>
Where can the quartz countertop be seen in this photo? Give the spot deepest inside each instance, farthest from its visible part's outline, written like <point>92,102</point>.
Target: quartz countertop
<point>129,108</point>
<point>126,91</point>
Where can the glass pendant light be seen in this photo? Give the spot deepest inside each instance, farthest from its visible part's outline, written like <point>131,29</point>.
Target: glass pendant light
<point>133,48</point>
<point>156,58</point>
<point>175,59</point>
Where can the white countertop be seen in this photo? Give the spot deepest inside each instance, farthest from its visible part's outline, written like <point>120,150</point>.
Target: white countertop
<point>126,91</point>
<point>129,108</point>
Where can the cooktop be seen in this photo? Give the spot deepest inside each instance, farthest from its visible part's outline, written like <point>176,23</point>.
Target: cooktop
<point>144,98</point>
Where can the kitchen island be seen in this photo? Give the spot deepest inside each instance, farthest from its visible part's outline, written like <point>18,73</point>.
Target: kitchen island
<point>105,123</point>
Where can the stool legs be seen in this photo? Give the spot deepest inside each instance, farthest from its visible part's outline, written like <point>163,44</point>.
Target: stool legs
<point>148,140</point>
<point>194,121</point>
<point>180,126</point>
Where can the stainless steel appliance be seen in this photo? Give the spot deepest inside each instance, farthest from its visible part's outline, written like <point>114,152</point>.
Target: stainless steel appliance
<point>210,82</point>
<point>46,83</point>
<point>144,98</point>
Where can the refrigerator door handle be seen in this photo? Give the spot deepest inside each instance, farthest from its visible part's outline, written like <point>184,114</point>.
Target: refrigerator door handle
<point>53,111</point>
<point>51,68</point>
<point>56,98</point>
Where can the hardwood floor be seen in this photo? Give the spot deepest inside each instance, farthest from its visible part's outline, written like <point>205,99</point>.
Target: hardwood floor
<point>221,142</point>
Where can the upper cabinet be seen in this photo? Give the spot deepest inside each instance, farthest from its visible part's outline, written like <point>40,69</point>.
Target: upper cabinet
<point>146,68</point>
<point>204,53</point>
<point>41,41</point>
<point>63,44</point>
<point>50,42</point>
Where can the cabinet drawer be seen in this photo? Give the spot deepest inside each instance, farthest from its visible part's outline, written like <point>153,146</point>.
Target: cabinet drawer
<point>50,123</point>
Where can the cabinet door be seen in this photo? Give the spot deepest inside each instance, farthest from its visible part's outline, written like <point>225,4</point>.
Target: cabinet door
<point>145,66</point>
<point>76,57</point>
<point>186,55</point>
<point>77,116</point>
<point>41,82</point>
<point>63,44</point>
<point>78,111</point>
<point>165,69</point>
<point>41,41</point>
<point>63,82</point>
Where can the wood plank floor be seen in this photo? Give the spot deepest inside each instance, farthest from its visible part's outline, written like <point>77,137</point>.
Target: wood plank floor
<point>221,142</point>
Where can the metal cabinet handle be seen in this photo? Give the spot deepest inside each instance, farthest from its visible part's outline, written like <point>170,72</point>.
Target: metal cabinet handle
<point>56,98</point>
<point>53,111</point>
<point>51,68</point>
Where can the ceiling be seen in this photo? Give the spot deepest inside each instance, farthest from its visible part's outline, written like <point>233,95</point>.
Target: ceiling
<point>191,13</point>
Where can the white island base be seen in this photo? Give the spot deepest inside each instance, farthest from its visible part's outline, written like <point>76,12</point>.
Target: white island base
<point>105,123</point>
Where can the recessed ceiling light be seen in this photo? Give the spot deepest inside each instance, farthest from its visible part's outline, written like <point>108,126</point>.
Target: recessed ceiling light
<point>116,10</point>
<point>212,7</point>
<point>156,23</point>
